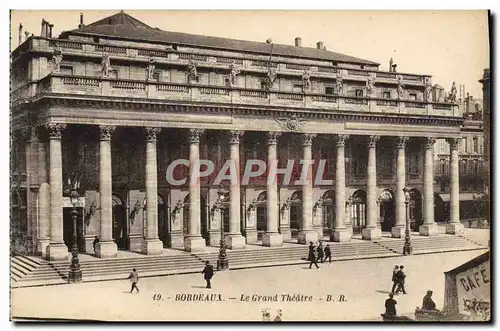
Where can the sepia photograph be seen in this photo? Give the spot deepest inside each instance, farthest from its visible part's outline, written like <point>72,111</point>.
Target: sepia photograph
<point>250,166</point>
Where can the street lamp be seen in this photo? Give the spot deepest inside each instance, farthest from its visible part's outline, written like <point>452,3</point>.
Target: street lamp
<point>75,274</point>
<point>407,249</point>
<point>222,261</point>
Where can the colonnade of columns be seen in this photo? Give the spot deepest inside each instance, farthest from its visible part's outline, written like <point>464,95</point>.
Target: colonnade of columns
<point>51,225</point>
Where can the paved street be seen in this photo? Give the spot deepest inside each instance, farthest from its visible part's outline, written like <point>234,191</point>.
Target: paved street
<point>364,285</point>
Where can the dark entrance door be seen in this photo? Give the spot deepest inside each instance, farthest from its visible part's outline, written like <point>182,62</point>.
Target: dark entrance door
<point>68,229</point>
<point>387,210</point>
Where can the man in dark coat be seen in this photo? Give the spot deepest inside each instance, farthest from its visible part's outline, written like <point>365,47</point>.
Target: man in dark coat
<point>208,273</point>
<point>320,252</point>
<point>314,259</point>
<point>428,303</point>
<point>400,278</point>
<point>390,306</point>
<point>311,251</point>
<point>394,280</point>
<point>134,279</point>
<point>328,253</point>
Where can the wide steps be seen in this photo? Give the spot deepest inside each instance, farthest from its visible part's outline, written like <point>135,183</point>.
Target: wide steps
<point>21,266</point>
<point>440,243</point>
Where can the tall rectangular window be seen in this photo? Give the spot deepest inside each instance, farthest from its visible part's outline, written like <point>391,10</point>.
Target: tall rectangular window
<point>475,145</point>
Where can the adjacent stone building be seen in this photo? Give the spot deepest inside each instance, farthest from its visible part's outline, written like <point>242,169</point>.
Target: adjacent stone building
<point>112,104</point>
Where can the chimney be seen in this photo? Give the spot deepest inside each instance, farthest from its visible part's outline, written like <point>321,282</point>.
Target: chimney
<point>20,37</point>
<point>298,42</point>
<point>42,33</point>
<point>47,24</point>
<point>81,25</point>
<point>50,30</point>
<point>319,45</point>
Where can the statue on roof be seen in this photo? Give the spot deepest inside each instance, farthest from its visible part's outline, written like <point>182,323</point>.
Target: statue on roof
<point>235,71</point>
<point>105,65</point>
<point>339,84</point>
<point>57,59</point>
<point>370,84</point>
<point>306,80</point>
<point>428,89</point>
<point>391,63</point>
<point>453,93</point>
<point>151,69</point>
<point>193,72</point>
<point>401,91</point>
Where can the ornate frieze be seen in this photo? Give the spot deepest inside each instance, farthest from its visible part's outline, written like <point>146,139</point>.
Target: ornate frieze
<point>372,141</point>
<point>272,138</point>
<point>152,134</point>
<point>55,130</point>
<point>307,139</point>
<point>401,142</point>
<point>106,131</point>
<point>194,135</point>
<point>234,137</point>
<point>292,123</point>
<point>341,139</point>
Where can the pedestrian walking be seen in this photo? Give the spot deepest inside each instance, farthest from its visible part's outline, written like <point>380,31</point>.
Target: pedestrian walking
<point>320,252</point>
<point>328,253</point>
<point>400,278</point>
<point>311,251</point>
<point>394,280</point>
<point>134,279</point>
<point>208,273</point>
<point>314,258</point>
<point>390,306</point>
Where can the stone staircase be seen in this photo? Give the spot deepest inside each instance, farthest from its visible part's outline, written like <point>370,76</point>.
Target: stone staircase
<point>479,237</point>
<point>435,244</point>
<point>22,266</point>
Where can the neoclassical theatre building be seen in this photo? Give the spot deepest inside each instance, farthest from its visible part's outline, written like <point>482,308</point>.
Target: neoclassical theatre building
<point>110,105</point>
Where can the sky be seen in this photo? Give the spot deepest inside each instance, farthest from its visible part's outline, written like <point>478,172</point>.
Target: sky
<point>449,45</point>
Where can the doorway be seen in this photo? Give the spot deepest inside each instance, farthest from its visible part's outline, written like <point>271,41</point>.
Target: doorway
<point>358,211</point>
<point>387,210</point>
<point>415,209</point>
<point>261,204</point>
<point>68,229</point>
<point>328,200</point>
<point>120,230</point>
<point>296,213</point>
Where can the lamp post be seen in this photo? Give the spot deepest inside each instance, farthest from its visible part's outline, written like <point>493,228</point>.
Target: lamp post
<point>407,249</point>
<point>222,261</point>
<point>75,274</point>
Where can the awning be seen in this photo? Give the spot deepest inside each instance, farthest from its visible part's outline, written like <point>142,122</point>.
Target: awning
<point>462,197</point>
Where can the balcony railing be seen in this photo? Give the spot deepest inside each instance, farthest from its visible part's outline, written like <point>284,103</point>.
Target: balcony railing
<point>153,90</point>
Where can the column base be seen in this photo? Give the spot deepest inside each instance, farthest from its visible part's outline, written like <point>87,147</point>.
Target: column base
<point>106,249</point>
<point>194,244</point>
<point>214,238</point>
<point>398,231</point>
<point>135,242</point>
<point>176,239</point>
<point>455,228</point>
<point>152,247</point>
<point>306,236</point>
<point>341,235</point>
<point>286,233</point>
<point>235,241</point>
<point>371,233</point>
<point>251,236</point>
<point>41,247</point>
<point>272,239</point>
<point>319,231</point>
<point>428,229</point>
<point>57,252</point>
<point>89,244</point>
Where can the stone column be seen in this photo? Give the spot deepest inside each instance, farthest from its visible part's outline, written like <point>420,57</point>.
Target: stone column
<point>372,231</point>
<point>398,230</point>
<point>235,240</point>
<point>307,234</point>
<point>340,232</point>
<point>151,245</point>
<point>272,237</point>
<point>454,226</point>
<point>194,242</point>
<point>57,250</point>
<point>429,227</point>
<point>43,239</point>
<point>106,246</point>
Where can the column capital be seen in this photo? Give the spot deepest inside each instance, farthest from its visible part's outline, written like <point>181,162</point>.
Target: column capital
<point>454,143</point>
<point>234,137</point>
<point>429,142</point>
<point>341,139</point>
<point>272,138</point>
<point>55,130</point>
<point>152,134</point>
<point>372,141</point>
<point>24,134</point>
<point>194,135</point>
<point>307,139</point>
<point>401,142</point>
<point>106,131</point>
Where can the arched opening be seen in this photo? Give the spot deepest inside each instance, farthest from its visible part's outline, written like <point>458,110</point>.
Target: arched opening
<point>296,213</point>
<point>203,217</point>
<point>120,230</point>
<point>387,210</point>
<point>328,200</point>
<point>441,209</point>
<point>358,211</point>
<point>261,204</point>
<point>415,209</point>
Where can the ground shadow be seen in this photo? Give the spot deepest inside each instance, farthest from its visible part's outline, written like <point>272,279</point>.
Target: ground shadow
<point>197,286</point>
<point>383,292</point>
